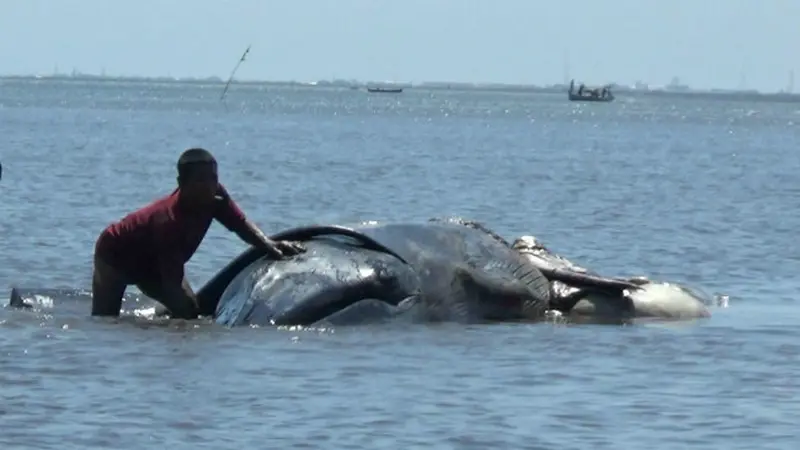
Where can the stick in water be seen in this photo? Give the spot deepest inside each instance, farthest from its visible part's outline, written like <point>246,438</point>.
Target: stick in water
<point>233,72</point>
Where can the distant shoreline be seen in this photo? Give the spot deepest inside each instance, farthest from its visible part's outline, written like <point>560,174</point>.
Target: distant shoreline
<point>621,91</point>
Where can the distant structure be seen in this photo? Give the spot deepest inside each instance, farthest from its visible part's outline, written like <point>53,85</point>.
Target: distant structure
<point>675,85</point>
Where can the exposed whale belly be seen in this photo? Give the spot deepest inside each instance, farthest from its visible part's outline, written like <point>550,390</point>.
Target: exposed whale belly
<point>652,300</point>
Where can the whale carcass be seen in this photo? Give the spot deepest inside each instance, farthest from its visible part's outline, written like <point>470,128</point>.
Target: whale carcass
<point>441,270</point>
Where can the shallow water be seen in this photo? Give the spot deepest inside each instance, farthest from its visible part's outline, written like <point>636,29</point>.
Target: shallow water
<point>702,193</point>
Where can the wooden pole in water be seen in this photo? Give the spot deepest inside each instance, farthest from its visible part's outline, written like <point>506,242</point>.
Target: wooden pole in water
<point>233,72</point>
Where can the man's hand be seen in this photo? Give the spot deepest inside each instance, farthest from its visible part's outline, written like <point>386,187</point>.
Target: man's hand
<point>281,249</point>
<point>289,248</point>
<point>274,249</point>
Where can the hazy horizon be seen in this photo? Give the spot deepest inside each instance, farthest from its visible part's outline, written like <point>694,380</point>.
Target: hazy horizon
<point>735,44</point>
<point>434,84</point>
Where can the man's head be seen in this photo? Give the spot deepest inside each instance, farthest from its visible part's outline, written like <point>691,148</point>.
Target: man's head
<point>197,176</point>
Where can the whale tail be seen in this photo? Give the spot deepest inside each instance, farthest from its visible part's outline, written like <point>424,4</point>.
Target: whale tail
<point>15,300</point>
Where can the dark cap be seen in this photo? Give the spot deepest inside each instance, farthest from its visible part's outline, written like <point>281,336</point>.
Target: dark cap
<point>194,157</point>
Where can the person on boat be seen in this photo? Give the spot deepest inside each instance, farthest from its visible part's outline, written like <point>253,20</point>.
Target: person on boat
<point>149,247</point>
<point>580,89</point>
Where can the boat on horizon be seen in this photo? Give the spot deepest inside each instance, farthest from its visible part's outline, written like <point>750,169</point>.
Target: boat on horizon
<point>584,94</point>
<point>385,90</point>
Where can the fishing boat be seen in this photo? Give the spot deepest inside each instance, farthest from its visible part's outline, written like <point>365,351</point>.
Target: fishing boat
<point>584,94</point>
<point>385,90</point>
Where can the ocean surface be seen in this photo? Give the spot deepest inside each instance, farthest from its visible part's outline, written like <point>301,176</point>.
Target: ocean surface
<point>699,192</point>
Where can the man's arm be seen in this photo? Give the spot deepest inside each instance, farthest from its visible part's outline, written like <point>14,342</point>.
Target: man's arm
<point>231,216</point>
<point>252,235</point>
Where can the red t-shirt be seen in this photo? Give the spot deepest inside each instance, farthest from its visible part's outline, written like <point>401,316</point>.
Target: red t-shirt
<point>157,240</point>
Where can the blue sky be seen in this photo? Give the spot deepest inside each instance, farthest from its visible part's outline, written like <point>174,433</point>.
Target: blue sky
<point>707,43</point>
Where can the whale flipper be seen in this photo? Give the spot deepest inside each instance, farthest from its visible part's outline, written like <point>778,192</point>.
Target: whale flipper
<point>503,291</point>
<point>530,276</point>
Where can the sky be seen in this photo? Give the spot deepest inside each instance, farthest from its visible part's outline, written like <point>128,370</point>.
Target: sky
<point>706,43</point>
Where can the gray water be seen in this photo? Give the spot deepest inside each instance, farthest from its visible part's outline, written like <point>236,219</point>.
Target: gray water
<point>703,193</point>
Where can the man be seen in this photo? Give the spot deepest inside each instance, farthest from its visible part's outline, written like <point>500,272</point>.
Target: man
<point>149,247</point>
